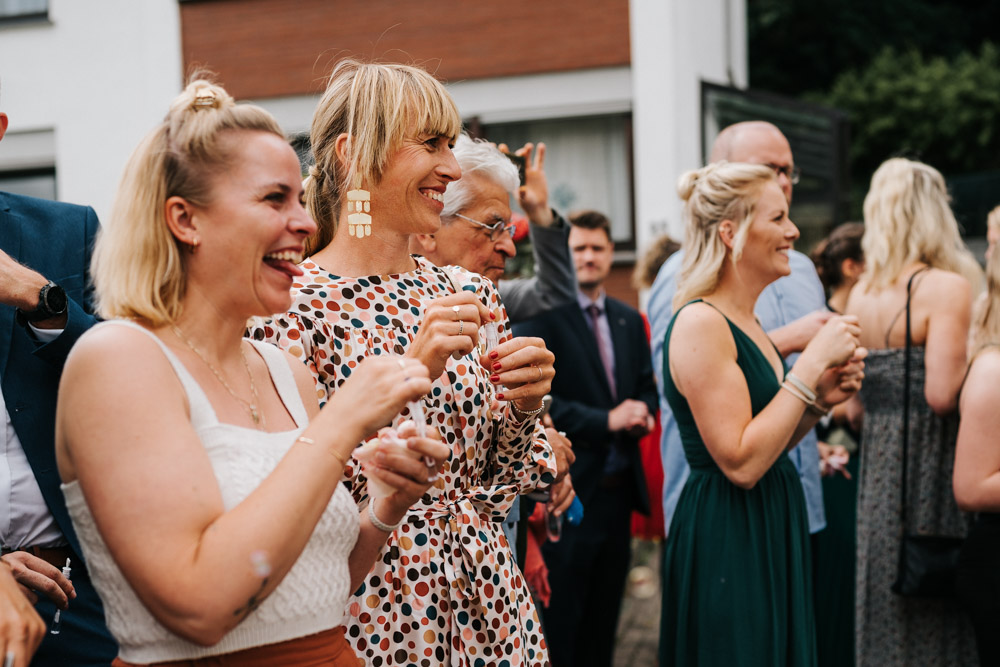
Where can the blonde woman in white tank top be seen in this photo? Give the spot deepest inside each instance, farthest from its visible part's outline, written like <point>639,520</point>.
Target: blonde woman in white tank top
<point>203,478</point>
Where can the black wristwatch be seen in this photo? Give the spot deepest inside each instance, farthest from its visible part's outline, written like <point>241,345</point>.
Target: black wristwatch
<point>51,303</point>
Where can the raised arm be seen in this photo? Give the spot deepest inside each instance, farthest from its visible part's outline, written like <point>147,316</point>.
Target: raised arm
<point>554,282</point>
<point>124,432</point>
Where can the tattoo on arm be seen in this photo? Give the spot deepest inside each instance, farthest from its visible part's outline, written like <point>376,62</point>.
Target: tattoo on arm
<point>255,601</point>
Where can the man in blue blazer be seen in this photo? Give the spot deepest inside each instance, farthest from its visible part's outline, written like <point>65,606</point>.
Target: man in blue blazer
<point>45,250</point>
<point>603,397</point>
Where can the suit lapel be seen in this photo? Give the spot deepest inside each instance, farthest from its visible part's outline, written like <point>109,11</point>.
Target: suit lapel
<point>581,327</point>
<point>10,243</point>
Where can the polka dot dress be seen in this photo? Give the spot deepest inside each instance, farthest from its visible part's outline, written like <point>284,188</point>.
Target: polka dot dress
<point>445,589</point>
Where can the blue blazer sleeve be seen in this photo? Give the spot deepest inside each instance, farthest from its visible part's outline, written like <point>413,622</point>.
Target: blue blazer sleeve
<point>80,308</point>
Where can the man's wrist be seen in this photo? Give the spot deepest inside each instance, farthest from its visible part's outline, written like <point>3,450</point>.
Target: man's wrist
<point>49,310</point>
<point>542,216</point>
<point>27,289</point>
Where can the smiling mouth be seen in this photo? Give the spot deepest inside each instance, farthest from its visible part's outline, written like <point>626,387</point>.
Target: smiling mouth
<point>292,256</point>
<point>433,194</point>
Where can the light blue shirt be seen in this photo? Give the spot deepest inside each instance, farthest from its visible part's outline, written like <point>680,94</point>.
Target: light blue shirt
<point>781,302</point>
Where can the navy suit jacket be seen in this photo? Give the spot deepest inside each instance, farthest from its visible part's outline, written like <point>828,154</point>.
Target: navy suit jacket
<point>55,239</point>
<point>581,397</point>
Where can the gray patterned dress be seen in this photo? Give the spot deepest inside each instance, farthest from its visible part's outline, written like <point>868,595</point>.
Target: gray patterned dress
<point>892,630</point>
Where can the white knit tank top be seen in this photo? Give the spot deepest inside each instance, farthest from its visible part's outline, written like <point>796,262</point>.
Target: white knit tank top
<point>312,596</point>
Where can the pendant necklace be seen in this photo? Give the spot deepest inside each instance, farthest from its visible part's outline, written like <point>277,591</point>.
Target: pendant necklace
<point>251,407</point>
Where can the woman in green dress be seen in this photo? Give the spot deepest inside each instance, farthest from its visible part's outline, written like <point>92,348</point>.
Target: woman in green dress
<point>737,584</point>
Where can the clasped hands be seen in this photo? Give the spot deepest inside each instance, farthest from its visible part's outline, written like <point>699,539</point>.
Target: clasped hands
<point>631,417</point>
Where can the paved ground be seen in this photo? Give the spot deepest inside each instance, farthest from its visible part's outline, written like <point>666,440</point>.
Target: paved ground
<point>639,626</point>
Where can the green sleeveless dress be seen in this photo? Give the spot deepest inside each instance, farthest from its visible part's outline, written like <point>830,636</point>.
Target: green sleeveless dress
<point>737,587</point>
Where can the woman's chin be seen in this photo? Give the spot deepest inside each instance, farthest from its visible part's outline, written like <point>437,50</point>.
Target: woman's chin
<point>273,305</point>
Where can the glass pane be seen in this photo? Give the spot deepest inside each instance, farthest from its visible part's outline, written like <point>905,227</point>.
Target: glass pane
<point>42,185</point>
<point>586,164</point>
<point>23,7</point>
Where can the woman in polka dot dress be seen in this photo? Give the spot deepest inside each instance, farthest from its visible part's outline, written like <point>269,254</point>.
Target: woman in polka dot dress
<point>445,589</point>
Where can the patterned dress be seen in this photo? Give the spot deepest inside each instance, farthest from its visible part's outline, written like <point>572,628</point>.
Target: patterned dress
<point>893,631</point>
<point>445,588</point>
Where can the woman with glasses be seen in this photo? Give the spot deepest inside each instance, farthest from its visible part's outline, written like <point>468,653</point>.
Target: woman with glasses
<point>477,233</point>
<point>445,583</point>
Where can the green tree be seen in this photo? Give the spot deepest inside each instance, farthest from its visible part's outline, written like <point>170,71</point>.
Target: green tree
<point>797,46</point>
<point>945,112</point>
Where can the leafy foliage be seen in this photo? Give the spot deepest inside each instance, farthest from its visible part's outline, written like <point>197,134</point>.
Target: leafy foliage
<point>796,46</point>
<point>945,112</point>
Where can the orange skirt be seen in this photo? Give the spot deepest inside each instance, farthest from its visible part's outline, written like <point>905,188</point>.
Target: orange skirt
<point>329,648</point>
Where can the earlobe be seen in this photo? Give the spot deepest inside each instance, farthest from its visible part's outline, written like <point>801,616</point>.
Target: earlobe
<point>727,232</point>
<point>341,148</point>
<point>427,243</point>
<point>850,268</point>
<point>180,219</point>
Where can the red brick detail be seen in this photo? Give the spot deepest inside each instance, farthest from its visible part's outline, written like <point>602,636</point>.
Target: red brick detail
<point>270,48</point>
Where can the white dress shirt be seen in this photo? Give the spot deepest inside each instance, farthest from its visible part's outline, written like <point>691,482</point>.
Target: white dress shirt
<point>25,519</point>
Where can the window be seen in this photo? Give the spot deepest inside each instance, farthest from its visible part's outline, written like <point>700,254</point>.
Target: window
<point>588,164</point>
<point>32,182</point>
<point>24,9</point>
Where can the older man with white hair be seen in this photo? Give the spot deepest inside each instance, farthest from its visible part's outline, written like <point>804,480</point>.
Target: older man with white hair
<point>478,235</point>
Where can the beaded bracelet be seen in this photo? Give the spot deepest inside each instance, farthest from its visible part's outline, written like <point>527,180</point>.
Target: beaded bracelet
<point>378,523</point>
<point>527,413</point>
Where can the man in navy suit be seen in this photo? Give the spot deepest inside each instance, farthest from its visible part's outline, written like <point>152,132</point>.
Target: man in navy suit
<point>603,397</point>
<point>45,252</point>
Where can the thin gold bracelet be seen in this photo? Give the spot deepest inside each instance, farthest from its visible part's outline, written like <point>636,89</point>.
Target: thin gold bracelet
<point>333,453</point>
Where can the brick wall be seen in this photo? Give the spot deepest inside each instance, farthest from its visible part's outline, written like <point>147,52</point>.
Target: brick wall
<point>270,48</point>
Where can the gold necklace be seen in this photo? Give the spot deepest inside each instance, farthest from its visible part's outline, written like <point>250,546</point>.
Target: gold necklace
<point>251,407</point>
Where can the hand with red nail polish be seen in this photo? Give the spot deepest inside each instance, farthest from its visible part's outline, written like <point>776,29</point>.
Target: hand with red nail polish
<point>524,367</point>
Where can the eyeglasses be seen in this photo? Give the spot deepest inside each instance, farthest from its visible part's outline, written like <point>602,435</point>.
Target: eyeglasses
<point>496,229</point>
<point>793,174</point>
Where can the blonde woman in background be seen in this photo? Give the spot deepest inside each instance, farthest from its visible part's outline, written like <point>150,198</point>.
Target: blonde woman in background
<point>737,583</point>
<point>992,231</point>
<point>911,244</point>
<point>202,477</point>
<point>445,589</point>
<point>976,480</point>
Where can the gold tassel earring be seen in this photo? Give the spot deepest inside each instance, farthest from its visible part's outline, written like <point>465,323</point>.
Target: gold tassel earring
<point>359,206</point>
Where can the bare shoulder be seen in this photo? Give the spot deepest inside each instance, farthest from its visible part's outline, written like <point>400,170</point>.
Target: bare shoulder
<point>116,346</point>
<point>304,382</point>
<point>700,336</point>
<point>120,366</point>
<point>944,288</point>
<point>700,321</point>
<point>981,390</point>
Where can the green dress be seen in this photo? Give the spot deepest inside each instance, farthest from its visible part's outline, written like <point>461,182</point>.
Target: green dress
<point>737,586</point>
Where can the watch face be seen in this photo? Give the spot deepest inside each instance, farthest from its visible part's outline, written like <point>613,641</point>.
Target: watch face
<point>54,299</point>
